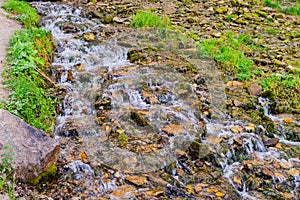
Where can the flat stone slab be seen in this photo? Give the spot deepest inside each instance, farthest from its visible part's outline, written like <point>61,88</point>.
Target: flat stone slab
<point>33,150</point>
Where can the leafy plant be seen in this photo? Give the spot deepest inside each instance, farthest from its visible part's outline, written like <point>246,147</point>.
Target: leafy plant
<point>144,19</point>
<point>29,50</point>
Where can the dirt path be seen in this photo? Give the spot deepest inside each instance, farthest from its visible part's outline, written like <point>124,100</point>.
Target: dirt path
<point>7,27</point>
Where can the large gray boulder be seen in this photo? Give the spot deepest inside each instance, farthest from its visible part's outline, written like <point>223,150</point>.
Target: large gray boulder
<point>33,151</point>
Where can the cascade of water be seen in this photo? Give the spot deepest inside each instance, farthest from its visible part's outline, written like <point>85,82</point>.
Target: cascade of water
<point>142,101</point>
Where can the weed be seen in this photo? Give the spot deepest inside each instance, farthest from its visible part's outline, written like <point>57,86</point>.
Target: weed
<point>24,12</point>
<point>122,139</point>
<point>7,179</point>
<point>230,17</point>
<point>144,19</point>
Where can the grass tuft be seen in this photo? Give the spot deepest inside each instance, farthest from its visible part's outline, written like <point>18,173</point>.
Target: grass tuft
<point>228,54</point>
<point>291,10</point>
<point>146,19</point>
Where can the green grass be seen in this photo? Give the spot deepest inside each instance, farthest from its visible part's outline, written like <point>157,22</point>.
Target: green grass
<point>24,12</point>
<point>228,53</point>
<point>294,10</point>
<point>283,86</point>
<point>272,4</point>
<point>290,9</point>
<point>146,19</point>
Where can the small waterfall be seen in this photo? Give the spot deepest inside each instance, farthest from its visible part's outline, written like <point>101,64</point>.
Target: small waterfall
<point>132,117</point>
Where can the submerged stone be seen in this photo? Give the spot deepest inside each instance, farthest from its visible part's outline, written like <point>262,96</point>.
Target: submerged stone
<point>198,150</point>
<point>139,118</point>
<point>33,151</point>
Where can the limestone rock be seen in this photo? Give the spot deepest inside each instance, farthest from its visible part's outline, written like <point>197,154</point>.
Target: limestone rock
<point>33,151</point>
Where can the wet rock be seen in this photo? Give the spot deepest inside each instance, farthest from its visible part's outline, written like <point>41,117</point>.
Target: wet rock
<point>172,129</point>
<point>89,37</point>
<point>124,191</point>
<point>293,172</point>
<point>250,128</point>
<point>286,164</point>
<point>103,103</point>
<point>254,89</point>
<point>271,142</point>
<point>150,98</point>
<point>136,180</point>
<point>139,118</point>
<point>198,150</point>
<point>33,151</point>
<point>235,129</point>
<point>118,20</point>
<point>79,169</point>
<point>288,120</point>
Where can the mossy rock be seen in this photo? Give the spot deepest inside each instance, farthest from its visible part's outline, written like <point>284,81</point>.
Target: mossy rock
<point>139,118</point>
<point>221,10</point>
<point>46,176</point>
<point>198,150</point>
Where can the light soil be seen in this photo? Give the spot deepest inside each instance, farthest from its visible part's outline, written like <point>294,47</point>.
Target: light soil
<point>7,28</point>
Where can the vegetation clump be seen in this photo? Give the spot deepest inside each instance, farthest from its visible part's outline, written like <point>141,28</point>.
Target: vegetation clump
<point>228,53</point>
<point>291,10</point>
<point>29,53</point>
<point>146,19</point>
<point>24,12</point>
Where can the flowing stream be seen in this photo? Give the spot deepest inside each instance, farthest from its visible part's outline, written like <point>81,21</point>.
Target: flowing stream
<point>134,117</point>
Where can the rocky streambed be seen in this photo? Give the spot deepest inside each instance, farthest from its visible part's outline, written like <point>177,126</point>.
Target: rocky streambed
<point>145,116</point>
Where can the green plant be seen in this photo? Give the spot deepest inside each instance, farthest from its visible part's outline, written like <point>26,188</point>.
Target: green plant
<point>272,4</point>
<point>290,9</point>
<point>272,31</point>
<point>144,19</point>
<point>24,12</point>
<point>228,54</point>
<point>283,86</point>
<point>293,10</point>
<point>122,139</point>
<point>229,17</point>
<point>29,51</point>
<point>7,179</point>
